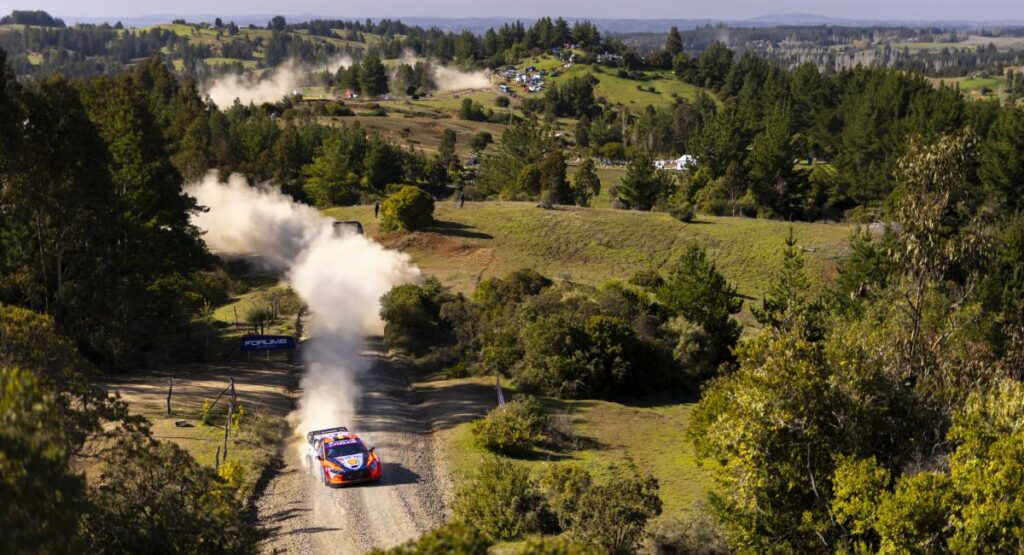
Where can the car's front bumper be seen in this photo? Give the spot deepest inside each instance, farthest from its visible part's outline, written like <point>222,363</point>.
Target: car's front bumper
<point>352,478</point>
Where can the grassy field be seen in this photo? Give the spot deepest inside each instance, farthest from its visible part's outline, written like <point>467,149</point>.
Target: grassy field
<point>618,90</point>
<point>654,436</point>
<point>592,246</point>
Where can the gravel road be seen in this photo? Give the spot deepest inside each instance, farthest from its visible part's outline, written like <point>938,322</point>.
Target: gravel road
<point>300,515</point>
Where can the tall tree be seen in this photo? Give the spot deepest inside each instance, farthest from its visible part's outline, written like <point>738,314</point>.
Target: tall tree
<point>644,186</point>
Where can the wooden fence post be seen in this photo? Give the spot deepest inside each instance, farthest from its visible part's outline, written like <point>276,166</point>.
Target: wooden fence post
<point>170,388</point>
<point>227,423</point>
<point>216,460</point>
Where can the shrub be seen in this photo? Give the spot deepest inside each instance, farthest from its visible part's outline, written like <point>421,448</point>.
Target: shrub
<point>238,416</point>
<point>513,429</point>
<point>563,486</point>
<point>648,279</point>
<point>502,102</point>
<point>410,317</point>
<point>204,416</point>
<point>500,501</point>
<point>547,545</point>
<point>453,537</point>
<point>409,209</point>
<point>613,515</point>
<point>683,212</point>
<point>232,473</point>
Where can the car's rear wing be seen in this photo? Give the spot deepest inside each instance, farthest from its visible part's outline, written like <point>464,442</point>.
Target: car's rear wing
<point>321,433</point>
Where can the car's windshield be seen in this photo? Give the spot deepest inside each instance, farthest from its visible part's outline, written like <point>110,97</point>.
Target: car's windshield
<point>345,449</point>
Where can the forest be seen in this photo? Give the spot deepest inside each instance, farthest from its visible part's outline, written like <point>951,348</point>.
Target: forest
<point>881,410</point>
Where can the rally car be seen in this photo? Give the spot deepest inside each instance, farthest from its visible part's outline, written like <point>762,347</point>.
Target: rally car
<point>340,458</point>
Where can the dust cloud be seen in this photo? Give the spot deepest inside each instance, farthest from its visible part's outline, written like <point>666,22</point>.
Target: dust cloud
<point>340,275</point>
<point>451,79</point>
<point>271,87</point>
<point>446,78</point>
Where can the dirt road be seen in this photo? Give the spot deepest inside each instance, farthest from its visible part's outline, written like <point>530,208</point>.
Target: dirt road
<point>300,515</point>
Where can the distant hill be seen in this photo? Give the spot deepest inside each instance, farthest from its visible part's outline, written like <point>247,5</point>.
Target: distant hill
<point>615,26</point>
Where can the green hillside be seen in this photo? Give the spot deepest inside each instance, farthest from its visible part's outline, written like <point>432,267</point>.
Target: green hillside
<point>594,245</point>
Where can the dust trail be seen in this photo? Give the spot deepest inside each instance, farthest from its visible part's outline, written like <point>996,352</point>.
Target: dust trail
<point>340,276</point>
<point>275,85</point>
<point>447,78</point>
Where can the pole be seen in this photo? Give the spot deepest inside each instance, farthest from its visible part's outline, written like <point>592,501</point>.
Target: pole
<point>170,388</point>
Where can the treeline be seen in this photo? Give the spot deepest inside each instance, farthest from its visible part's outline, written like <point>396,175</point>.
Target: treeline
<point>848,129</point>
<point>836,48</point>
<point>793,144</point>
<point>884,415</point>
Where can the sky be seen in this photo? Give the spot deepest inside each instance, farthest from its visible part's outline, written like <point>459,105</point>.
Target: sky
<point>931,10</point>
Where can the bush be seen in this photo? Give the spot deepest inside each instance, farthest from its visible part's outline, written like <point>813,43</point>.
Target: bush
<point>500,501</point>
<point>683,212</point>
<point>411,316</point>
<point>502,102</point>
<point>451,538</point>
<point>614,515</point>
<point>409,209</point>
<point>204,415</point>
<point>513,429</point>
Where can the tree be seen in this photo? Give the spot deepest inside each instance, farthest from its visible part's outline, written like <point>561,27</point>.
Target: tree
<point>277,23</point>
<point>644,186</point>
<point>331,177</point>
<point>586,183</point>
<point>1002,156</point>
<point>481,141</point>
<point>522,144</point>
<point>470,110</point>
<point>373,77</point>
<point>674,42</point>
<point>411,317</point>
<point>446,150</point>
<point>409,209</point>
<point>552,178</point>
<point>787,304</point>
<point>696,290</point>
<point>770,160</point>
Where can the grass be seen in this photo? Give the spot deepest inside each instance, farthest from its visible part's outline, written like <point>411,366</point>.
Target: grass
<point>619,90</point>
<point>486,239</point>
<point>654,438</point>
<point>421,132</point>
<point>609,176</point>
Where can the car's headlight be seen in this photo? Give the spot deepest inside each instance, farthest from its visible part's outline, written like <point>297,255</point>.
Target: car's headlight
<point>334,472</point>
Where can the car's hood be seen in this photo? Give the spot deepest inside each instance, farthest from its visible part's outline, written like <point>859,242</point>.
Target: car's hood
<point>350,462</point>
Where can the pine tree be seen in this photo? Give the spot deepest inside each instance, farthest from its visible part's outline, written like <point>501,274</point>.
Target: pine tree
<point>586,183</point>
<point>674,42</point>
<point>787,303</point>
<point>373,78</point>
<point>643,185</point>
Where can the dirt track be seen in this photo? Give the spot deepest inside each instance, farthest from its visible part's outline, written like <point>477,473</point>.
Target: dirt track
<point>299,515</point>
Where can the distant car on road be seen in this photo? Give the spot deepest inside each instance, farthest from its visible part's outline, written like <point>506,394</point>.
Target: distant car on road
<point>340,458</point>
<point>350,225</point>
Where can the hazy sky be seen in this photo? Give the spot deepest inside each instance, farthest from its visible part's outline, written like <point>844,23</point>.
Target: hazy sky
<point>642,9</point>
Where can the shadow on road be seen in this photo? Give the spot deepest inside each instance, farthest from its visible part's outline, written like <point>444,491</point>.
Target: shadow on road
<point>396,475</point>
